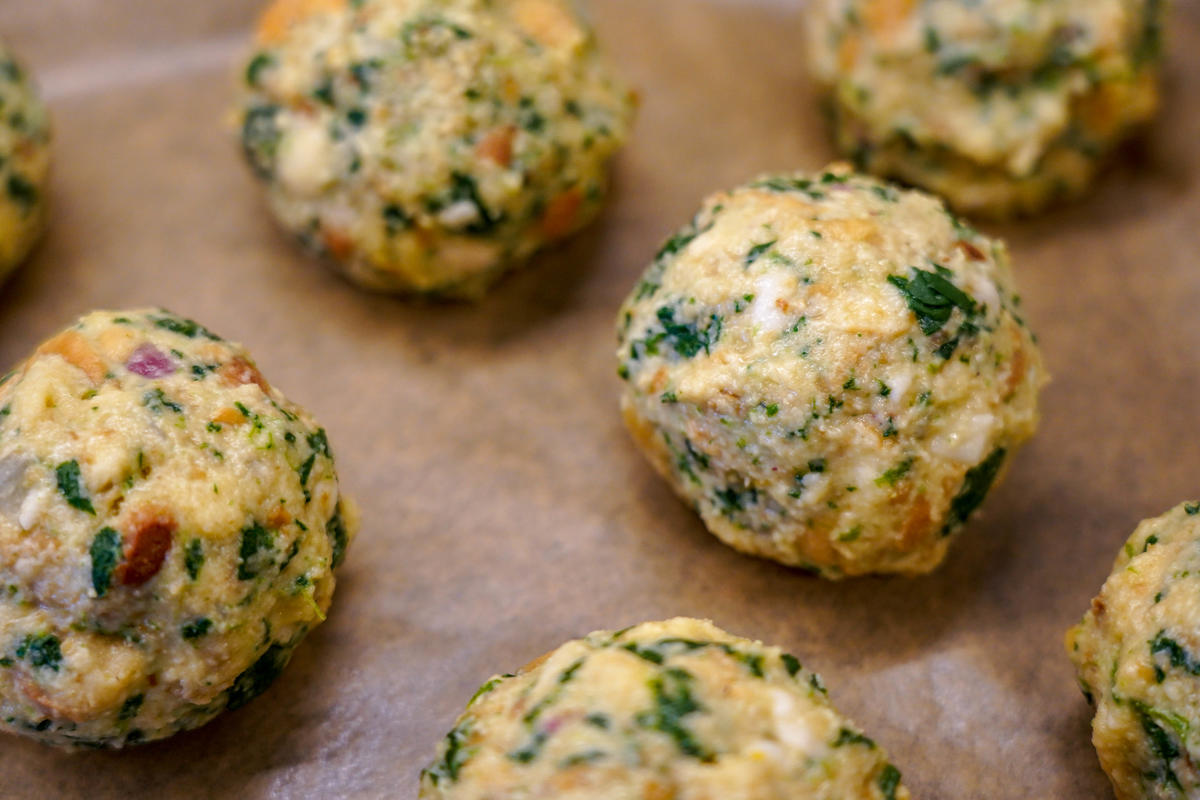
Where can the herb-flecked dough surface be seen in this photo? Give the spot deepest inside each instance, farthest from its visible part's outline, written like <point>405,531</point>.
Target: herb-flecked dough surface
<point>24,163</point>
<point>677,709</point>
<point>834,372</point>
<point>427,146</point>
<point>1001,106</point>
<point>169,523</point>
<point>1137,655</point>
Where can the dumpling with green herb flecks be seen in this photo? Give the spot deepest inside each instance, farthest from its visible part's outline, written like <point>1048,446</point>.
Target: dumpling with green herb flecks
<point>1001,106</point>
<point>428,146</point>
<point>675,709</point>
<point>169,526</point>
<point>24,163</point>
<point>1137,657</point>
<point>832,371</point>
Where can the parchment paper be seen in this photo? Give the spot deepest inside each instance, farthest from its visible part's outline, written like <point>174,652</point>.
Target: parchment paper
<point>505,509</point>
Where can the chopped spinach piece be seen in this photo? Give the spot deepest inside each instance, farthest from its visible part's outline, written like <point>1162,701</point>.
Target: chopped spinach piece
<point>932,297</point>
<point>848,736</point>
<point>158,402</point>
<point>688,338</point>
<point>305,469</point>
<point>22,191</point>
<point>106,552</point>
<point>530,750</point>
<point>42,650</point>
<point>183,326</point>
<point>1191,509</point>
<point>733,499</point>
<point>673,701</point>
<point>1177,656</point>
<point>790,663</point>
<point>396,219</point>
<point>888,782</point>
<point>130,708</point>
<point>757,250</point>
<point>260,138</point>
<point>976,484</point>
<point>677,242</point>
<point>1161,745</point>
<point>487,687</point>
<point>454,755</point>
<point>70,484</point>
<point>339,537</point>
<point>255,553</point>
<point>893,475</point>
<point>463,188</point>
<point>258,677</point>
<point>193,558</point>
<point>782,183</point>
<point>196,628</point>
<point>254,69</point>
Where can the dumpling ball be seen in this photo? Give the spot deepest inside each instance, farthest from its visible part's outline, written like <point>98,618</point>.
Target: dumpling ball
<point>1137,656</point>
<point>24,163</point>
<point>675,709</point>
<point>169,526</point>
<point>1001,106</point>
<point>832,371</point>
<point>427,146</point>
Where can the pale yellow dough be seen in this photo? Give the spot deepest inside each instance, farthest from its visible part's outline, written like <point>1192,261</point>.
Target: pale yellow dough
<point>1001,106</point>
<point>24,163</point>
<point>1137,655</point>
<point>675,710</point>
<point>169,523</point>
<point>777,373</point>
<point>428,146</point>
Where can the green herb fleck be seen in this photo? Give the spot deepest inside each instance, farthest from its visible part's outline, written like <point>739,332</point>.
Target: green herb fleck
<point>454,755</point>
<point>976,484</point>
<point>932,297</point>
<point>894,474</point>
<point>1177,656</point>
<point>196,628</point>
<point>673,701</point>
<point>339,537</point>
<point>158,402</point>
<point>106,552</point>
<point>130,708</point>
<point>888,782</point>
<point>193,558</point>
<point>22,191</point>
<point>790,663</point>
<point>847,736</point>
<point>254,555</point>
<point>260,62</point>
<point>70,484</point>
<point>183,326</point>
<point>42,650</point>
<point>757,251</point>
<point>258,677</point>
<point>490,684</point>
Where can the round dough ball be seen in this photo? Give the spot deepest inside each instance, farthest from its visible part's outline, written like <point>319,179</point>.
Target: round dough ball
<point>1137,655</point>
<point>24,164</point>
<point>831,370</point>
<point>427,146</point>
<point>169,523</point>
<point>664,709</point>
<point>1001,106</point>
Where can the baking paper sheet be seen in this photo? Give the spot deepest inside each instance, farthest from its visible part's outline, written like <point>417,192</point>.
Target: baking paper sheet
<point>505,509</point>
